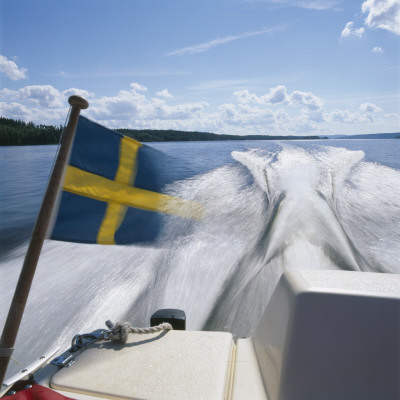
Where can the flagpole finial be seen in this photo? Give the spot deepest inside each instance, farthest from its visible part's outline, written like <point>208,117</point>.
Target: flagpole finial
<point>79,102</point>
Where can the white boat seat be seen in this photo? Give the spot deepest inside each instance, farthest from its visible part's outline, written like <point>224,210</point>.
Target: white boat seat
<point>170,365</point>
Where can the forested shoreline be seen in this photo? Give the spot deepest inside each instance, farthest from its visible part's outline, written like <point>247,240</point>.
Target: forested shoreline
<point>150,135</point>
<point>20,133</point>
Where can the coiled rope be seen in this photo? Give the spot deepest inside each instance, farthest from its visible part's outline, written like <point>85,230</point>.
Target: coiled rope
<point>119,332</point>
<point>116,333</point>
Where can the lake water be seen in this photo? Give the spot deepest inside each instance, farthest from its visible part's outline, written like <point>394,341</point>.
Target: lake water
<point>271,206</point>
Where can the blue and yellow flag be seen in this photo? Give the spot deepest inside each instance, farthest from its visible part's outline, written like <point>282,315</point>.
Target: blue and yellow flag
<point>112,190</point>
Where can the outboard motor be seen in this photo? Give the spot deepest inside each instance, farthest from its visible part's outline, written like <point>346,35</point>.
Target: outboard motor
<point>175,317</point>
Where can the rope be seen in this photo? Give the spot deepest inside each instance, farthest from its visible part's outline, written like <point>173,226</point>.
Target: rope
<point>119,332</point>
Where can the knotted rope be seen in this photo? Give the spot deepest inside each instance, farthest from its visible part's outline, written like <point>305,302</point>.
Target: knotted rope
<point>119,332</point>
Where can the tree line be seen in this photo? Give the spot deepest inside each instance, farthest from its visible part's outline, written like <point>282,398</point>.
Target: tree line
<point>152,135</point>
<point>20,133</point>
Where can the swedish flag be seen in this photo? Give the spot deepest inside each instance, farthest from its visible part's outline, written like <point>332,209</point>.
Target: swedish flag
<point>112,190</point>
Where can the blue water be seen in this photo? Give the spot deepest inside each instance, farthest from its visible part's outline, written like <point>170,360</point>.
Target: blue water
<point>270,206</point>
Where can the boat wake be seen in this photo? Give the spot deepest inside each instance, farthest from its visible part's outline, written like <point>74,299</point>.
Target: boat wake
<point>322,208</point>
<point>317,206</point>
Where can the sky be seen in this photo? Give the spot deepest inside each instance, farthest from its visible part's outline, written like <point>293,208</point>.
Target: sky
<point>273,67</point>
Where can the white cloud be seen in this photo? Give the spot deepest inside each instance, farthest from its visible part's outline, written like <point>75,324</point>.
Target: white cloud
<point>42,104</point>
<point>160,110</point>
<point>367,118</point>
<point>378,50</point>
<point>200,48</point>
<point>245,115</point>
<point>164,93</point>
<point>274,96</point>
<point>244,97</point>
<point>277,95</point>
<point>308,108</point>
<point>42,95</point>
<point>369,107</point>
<point>77,92</point>
<point>344,117</point>
<point>307,99</point>
<point>383,14</point>
<point>124,106</point>
<point>11,70</point>
<point>282,116</point>
<point>137,87</point>
<point>135,108</point>
<point>39,115</point>
<point>228,112</point>
<point>15,110</point>
<point>349,31</point>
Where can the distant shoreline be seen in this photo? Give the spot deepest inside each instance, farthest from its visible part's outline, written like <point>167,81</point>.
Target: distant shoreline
<point>19,133</point>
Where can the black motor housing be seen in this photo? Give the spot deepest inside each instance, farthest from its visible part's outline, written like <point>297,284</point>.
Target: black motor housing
<point>175,317</point>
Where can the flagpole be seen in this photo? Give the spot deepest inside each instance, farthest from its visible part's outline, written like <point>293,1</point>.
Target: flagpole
<point>39,233</point>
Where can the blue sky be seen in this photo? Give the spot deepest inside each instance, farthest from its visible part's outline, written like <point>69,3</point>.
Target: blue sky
<point>290,67</point>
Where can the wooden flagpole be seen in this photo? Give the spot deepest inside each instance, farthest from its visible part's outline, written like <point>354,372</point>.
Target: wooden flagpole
<point>39,233</point>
